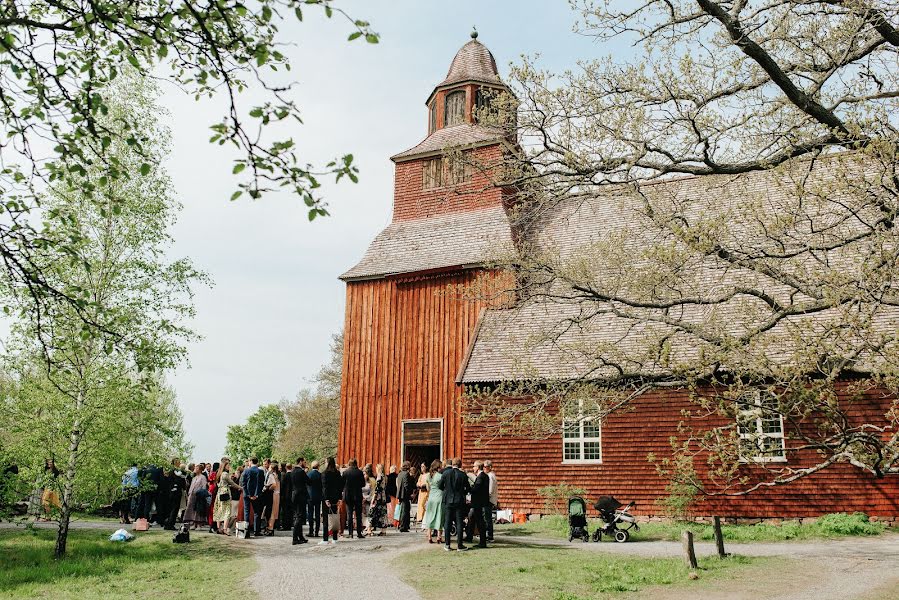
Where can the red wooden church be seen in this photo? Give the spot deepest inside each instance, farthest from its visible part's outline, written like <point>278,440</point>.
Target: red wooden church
<point>411,346</point>
<point>404,339</point>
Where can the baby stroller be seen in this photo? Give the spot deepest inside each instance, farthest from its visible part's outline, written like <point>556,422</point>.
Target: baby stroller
<point>577,519</point>
<point>612,514</point>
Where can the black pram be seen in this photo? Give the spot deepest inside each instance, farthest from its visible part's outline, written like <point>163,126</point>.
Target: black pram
<point>612,513</point>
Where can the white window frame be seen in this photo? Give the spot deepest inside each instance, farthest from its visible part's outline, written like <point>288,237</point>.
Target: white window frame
<point>756,416</point>
<point>580,421</point>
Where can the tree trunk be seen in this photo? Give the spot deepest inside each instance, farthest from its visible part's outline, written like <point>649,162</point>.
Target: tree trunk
<point>62,534</point>
<point>719,538</point>
<point>689,552</point>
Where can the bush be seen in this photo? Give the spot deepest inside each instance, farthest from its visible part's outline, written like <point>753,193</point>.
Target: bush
<point>555,497</point>
<point>846,524</point>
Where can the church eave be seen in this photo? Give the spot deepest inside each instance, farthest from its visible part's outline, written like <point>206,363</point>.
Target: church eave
<point>496,85</point>
<point>403,157</point>
<point>423,273</point>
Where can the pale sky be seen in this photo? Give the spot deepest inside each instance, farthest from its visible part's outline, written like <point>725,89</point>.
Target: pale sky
<point>277,300</point>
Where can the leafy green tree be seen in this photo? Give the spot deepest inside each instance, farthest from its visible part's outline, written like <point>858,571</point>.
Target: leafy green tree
<point>256,437</point>
<point>145,427</point>
<point>83,389</point>
<point>57,57</point>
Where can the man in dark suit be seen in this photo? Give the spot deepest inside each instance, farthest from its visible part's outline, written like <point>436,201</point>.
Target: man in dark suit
<point>314,502</point>
<point>454,485</point>
<point>252,481</point>
<point>285,512</point>
<point>299,491</point>
<point>480,500</point>
<point>404,489</point>
<point>353,482</point>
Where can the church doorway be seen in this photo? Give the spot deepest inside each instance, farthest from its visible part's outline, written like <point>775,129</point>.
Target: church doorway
<point>422,441</point>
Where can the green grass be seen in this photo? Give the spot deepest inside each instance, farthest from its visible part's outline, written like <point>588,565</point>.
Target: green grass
<point>519,570</point>
<point>94,567</point>
<point>828,526</point>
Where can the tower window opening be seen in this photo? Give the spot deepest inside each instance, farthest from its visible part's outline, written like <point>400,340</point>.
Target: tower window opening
<point>455,109</point>
<point>483,101</point>
<point>458,171</point>
<point>432,174</point>
<point>432,121</point>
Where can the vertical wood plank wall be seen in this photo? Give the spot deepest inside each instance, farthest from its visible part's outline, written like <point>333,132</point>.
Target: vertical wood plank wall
<point>404,341</point>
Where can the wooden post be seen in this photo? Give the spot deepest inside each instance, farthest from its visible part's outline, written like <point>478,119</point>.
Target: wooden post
<point>719,538</point>
<point>689,552</point>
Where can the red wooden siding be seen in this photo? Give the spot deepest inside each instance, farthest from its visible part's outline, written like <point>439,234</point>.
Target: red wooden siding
<point>404,341</point>
<point>523,466</point>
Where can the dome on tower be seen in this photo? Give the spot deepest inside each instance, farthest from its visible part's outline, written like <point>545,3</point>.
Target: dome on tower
<point>471,84</point>
<point>473,62</point>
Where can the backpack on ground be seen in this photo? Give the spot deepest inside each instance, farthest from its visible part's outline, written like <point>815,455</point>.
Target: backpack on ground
<point>183,535</point>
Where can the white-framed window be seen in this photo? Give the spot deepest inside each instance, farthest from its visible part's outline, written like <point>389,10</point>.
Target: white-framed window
<point>761,428</point>
<point>581,438</point>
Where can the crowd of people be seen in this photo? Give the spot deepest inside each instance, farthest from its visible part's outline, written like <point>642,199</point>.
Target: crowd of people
<point>310,501</point>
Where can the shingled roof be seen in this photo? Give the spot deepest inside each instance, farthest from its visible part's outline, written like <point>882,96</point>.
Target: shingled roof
<point>460,239</point>
<point>458,136</point>
<point>473,62</point>
<point>560,336</point>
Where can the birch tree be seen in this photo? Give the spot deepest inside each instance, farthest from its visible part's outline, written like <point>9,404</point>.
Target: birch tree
<point>88,384</point>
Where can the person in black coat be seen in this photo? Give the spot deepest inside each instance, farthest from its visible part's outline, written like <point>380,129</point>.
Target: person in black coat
<point>332,490</point>
<point>454,485</point>
<point>173,485</point>
<point>155,495</point>
<point>404,487</point>
<point>285,512</point>
<point>314,499</point>
<point>391,490</point>
<point>353,482</point>
<point>480,500</point>
<point>299,491</point>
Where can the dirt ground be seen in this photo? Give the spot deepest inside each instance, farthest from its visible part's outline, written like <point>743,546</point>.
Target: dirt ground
<point>846,569</point>
<point>348,570</point>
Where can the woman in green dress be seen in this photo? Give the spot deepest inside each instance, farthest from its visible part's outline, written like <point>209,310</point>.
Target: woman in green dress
<point>433,522</point>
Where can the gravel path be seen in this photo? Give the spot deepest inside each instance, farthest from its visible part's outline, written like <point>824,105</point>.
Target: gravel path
<point>850,568</point>
<point>346,570</point>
